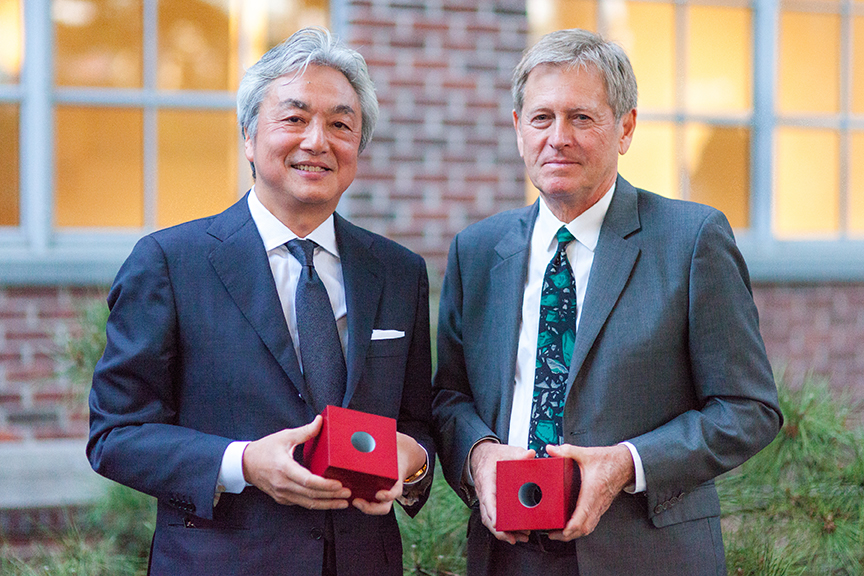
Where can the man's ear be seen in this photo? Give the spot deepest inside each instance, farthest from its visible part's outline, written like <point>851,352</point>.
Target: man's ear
<point>518,134</point>
<point>248,146</point>
<point>628,127</point>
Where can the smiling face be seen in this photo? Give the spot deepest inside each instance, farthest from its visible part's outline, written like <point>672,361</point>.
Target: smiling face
<point>568,137</point>
<point>306,147</point>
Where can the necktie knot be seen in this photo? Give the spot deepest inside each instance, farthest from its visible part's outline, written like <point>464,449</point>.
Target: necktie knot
<point>564,237</point>
<point>303,251</point>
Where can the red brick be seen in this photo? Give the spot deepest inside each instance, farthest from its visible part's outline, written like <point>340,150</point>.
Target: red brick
<point>8,435</point>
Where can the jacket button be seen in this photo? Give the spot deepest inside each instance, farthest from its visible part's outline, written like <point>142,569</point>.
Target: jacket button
<point>316,533</point>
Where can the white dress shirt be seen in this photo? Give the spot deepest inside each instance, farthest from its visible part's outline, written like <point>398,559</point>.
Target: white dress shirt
<point>585,228</point>
<point>286,270</point>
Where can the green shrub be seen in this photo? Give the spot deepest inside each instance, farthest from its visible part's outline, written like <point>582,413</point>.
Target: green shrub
<point>434,540</point>
<point>797,507</point>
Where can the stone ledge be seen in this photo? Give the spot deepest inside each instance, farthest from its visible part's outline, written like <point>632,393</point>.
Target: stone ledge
<point>47,474</point>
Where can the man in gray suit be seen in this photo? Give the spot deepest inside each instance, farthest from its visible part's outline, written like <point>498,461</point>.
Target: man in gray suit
<point>605,324</point>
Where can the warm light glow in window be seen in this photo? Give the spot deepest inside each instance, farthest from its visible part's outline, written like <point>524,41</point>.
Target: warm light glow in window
<point>98,43</point>
<point>201,45</point>
<point>856,185</point>
<point>807,195</point>
<point>197,164</point>
<point>100,177</point>
<point>809,78</point>
<point>650,162</point>
<point>9,211</point>
<point>195,45</point>
<point>718,165</point>
<point>11,41</point>
<point>858,65</point>
<point>719,59</point>
<point>652,53</point>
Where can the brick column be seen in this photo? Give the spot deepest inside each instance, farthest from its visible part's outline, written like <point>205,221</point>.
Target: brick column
<point>444,152</point>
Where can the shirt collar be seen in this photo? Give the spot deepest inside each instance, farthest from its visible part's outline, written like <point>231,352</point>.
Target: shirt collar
<point>585,227</point>
<point>274,233</point>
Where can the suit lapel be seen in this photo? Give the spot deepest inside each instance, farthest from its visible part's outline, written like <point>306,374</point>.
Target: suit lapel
<point>241,263</point>
<point>363,286</point>
<point>614,259</point>
<point>507,287</point>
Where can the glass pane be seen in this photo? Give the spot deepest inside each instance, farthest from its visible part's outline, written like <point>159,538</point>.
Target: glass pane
<point>9,210</point>
<point>651,48</point>
<point>809,62</point>
<point>98,43</point>
<point>11,41</point>
<point>807,201</point>
<point>718,162</point>
<point>856,185</point>
<point>266,24</point>
<point>195,47</point>
<point>197,164</point>
<point>650,162</point>
<point>858,65</point>
<point>99,179</point>
<point>546,16</point>
<point>719,59</point>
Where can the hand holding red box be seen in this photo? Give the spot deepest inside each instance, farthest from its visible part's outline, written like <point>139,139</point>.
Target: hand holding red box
<point>536,494</point>
<point>356,448</point>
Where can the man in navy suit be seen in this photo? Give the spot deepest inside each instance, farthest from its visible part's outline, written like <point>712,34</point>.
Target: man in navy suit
<point>605,324</point>
<point>201,396</point>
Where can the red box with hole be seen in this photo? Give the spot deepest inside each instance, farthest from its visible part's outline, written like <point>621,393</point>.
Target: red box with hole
<point>356,448</point>
<point>536,494</point>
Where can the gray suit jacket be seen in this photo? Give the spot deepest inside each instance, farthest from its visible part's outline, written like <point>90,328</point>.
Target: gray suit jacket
<point>668,355</point>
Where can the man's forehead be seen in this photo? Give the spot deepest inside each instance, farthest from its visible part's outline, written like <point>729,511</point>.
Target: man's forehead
<point>545,78</point>
<point>299,89</point>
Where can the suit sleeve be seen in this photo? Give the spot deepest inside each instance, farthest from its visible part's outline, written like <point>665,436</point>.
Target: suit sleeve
<point>135,436</point>
<point>731,376</point>
<point>457,424</point>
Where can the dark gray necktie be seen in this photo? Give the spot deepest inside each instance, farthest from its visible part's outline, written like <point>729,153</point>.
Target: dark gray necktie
<point>320,347</point>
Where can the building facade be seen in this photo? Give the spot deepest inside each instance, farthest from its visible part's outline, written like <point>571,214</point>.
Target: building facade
<point>116,119</point>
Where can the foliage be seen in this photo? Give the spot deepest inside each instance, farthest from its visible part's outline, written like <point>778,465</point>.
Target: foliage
<point>434,540</point>
<point>113,540</point>
<point>798,506</point>
<point>83,350</point>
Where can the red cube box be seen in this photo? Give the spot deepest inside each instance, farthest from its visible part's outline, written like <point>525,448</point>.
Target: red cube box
<point>356,448</point>
<point>536,494</point>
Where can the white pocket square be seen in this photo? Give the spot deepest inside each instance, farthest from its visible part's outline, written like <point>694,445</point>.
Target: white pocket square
<point>387,334</point>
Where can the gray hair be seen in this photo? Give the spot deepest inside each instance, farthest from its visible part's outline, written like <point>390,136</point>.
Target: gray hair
<point>577,47</point>
<point>307,46</point>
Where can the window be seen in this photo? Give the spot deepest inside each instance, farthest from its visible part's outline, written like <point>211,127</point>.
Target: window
<point>122,122</point>
<point>10,72</point>
<point>756,108</point>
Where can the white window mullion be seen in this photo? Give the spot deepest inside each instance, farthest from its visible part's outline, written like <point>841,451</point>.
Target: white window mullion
<point>766,14</point>
<point>37,127</point>
<point>151,121</point>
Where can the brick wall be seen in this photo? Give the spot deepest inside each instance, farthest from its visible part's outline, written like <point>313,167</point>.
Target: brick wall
<point>444,152</point>
<point>36,400</point>
<point>816,329</point>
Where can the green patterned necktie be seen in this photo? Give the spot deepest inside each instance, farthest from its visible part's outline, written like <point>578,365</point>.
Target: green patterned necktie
<point>555,337</point>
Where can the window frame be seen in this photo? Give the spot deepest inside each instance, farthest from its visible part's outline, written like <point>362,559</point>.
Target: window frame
<point>36,252</point>
<point>768,258</point>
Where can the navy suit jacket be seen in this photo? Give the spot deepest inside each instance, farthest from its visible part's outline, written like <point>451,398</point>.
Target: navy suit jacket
<point>199,355</point>
<point>668,355</point>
